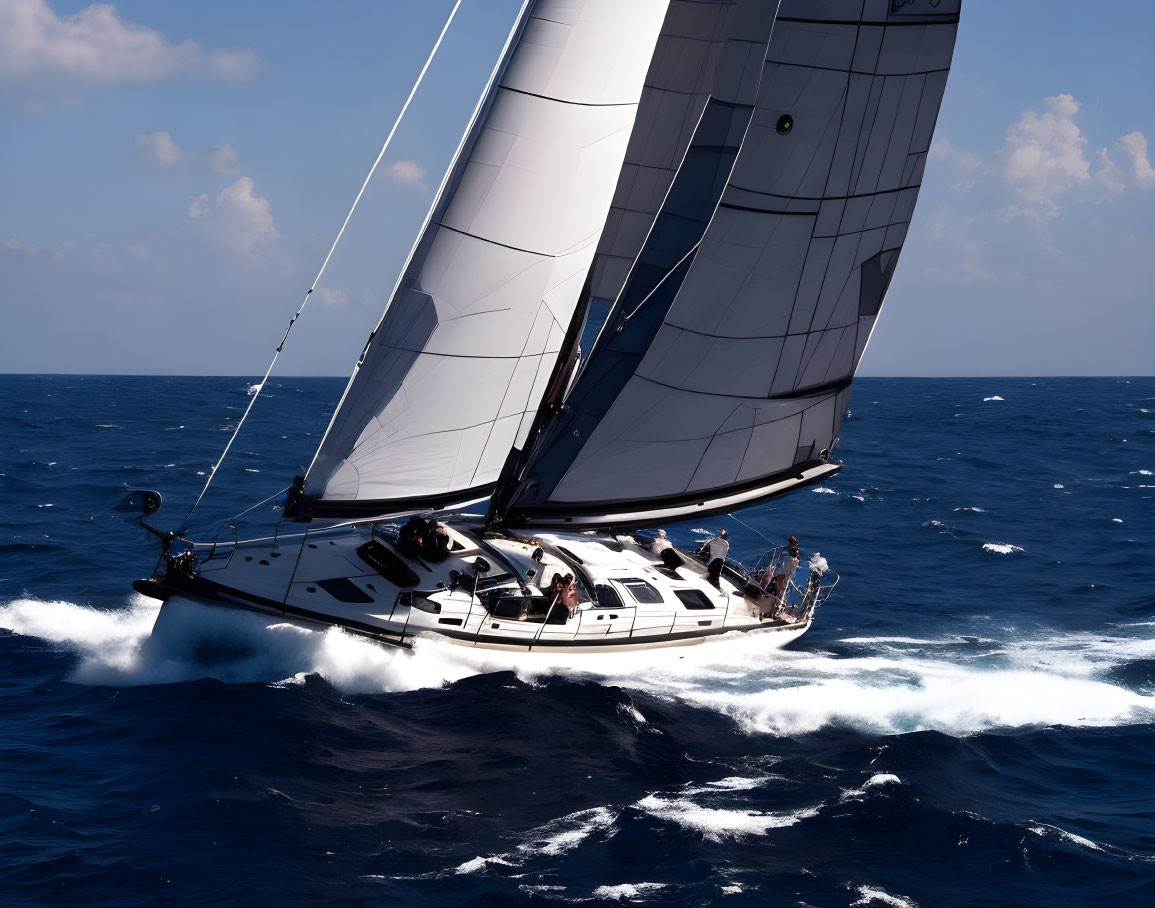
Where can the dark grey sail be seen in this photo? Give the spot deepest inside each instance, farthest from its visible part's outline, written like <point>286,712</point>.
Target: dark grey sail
<point>723,370</point>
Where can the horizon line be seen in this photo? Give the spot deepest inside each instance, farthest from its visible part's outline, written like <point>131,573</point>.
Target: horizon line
<point>345,377</point>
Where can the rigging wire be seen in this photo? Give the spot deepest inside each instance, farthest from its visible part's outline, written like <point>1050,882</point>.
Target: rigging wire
<point>324,265</point>
<point>758,532</point>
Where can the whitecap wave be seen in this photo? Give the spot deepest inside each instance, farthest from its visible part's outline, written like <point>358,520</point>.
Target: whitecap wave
<point>553,838</point>
<point>1001,548</point>
<point>878,780</point>
<point>718,824</point>
<point>872,895</point>
<point>623,891</point>
<point>911,641</point>
<point>993,397</point>
<point>1044,829</point>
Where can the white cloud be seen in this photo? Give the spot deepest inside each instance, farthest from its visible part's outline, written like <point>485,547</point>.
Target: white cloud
<point>162,151</point>
<point>87,248</point>
<point>332,298</point>
<point>1135,145</point>
<point>238,217</point>
<point>407,173</point>
<point>234,65</point>
<point>1108,175</point>
<point>16,246</point>
<point>246,223</point>
<point>223,160</point>
<point>94,45</point>
<point>967,165</point>
<point>160,148</point>
<point>1043,158</point>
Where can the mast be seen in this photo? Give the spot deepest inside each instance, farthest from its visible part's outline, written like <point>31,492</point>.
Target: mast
<point>706,53</point>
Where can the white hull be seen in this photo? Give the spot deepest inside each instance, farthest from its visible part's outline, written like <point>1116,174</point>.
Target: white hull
<point>485,594</point>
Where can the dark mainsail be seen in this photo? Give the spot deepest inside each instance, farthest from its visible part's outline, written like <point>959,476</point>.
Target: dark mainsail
<point>723,370</point>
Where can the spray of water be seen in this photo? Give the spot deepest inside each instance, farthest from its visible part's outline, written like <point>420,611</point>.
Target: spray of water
<point>888,685</point>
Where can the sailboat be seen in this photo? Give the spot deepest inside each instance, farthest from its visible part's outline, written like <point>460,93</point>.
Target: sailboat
<point>735,180</point>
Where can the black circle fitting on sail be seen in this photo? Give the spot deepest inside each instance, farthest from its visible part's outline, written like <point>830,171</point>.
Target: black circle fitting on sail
<point>785,124</point>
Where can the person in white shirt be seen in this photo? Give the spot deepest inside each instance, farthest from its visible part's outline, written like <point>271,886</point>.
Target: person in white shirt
<point>660,543</point>
<point>716,550</point>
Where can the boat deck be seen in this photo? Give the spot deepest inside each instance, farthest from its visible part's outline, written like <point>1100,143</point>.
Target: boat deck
<point>485,593</point>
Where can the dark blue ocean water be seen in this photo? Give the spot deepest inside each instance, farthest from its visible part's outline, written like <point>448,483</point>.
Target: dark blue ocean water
<point>970,721</point>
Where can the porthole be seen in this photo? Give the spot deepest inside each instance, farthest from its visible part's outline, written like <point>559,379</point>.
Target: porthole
<point>785,124</point>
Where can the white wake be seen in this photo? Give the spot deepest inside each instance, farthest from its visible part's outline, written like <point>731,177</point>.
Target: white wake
<point>889,684</point>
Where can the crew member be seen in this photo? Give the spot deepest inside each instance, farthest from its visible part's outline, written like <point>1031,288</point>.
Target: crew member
<point>716,550</point>
<point>569,595</point>
<point>786,568</point>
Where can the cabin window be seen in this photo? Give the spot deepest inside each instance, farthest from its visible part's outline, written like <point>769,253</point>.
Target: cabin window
<point>607,596</point>
<point>417,601</point>
<point>386,563</point>
<point>507,608</point>
<point>486,582</point>
<point>694,599</point>
<point>343,590</point>
<point>642,591</point>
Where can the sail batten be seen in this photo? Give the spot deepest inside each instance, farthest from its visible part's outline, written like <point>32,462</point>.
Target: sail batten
<point>738,370</point>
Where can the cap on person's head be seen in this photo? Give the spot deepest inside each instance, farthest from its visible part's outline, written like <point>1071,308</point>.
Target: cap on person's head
<point>661,534</point>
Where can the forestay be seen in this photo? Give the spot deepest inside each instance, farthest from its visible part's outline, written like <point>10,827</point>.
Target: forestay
<point>450,379</point>
<point>723,370</point>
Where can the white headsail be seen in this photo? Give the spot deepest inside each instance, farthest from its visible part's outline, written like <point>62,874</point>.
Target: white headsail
<point>722,372</point>
<point>450,379</point>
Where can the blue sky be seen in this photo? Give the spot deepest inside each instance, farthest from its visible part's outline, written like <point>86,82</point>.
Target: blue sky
<point>171,176</point>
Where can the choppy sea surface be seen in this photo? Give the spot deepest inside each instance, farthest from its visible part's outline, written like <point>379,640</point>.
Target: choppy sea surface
<point>970,721</point>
